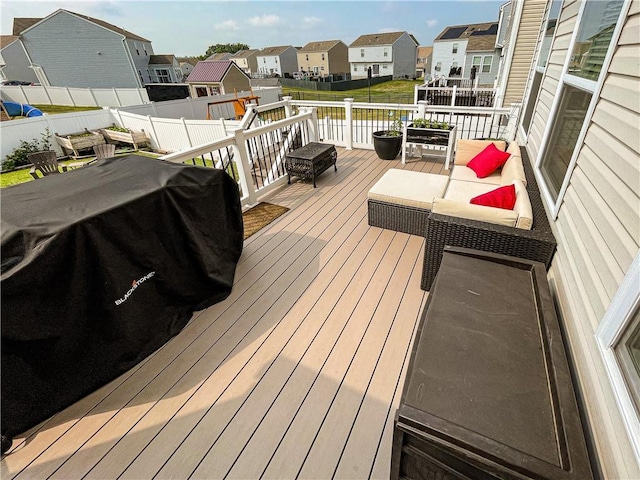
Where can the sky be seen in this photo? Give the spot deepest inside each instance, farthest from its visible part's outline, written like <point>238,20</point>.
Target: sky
<point>188,28</point>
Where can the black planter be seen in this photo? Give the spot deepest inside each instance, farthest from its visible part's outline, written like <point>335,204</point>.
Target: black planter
<point>386,146</point>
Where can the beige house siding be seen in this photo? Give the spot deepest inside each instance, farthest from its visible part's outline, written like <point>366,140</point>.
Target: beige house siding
<point>598,226</point>
<point>524,49</point>
<point>339,59</point>
<point>235,80</point>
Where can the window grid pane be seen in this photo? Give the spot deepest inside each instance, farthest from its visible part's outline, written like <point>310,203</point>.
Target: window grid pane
<point>594,38</point>
<point>570,117</point>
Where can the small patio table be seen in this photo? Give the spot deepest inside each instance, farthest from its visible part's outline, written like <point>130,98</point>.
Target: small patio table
<point>311,160</point>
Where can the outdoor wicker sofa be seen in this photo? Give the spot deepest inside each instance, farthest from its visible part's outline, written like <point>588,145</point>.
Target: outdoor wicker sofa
<point>538,243</point>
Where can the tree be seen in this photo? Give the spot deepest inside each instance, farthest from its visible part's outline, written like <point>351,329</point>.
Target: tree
<point>225,48</point>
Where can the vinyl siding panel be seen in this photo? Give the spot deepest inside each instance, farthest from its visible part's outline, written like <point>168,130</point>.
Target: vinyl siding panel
<point>525,46</point>
<point>598,227</point>
<point>235,80</point>
<point>17,63</point>
<point>65,45</point>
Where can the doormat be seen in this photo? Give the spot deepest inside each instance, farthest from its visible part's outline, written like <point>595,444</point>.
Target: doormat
<point>260,216</point>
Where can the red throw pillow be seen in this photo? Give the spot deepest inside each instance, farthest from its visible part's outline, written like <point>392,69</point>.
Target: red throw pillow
<point>502,197</point>
<point>488,161</point>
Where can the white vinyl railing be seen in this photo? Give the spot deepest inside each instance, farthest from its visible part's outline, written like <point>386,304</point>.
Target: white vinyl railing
<point>253,150</point>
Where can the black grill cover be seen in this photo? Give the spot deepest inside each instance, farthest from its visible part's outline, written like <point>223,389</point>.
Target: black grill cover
<point>100,267</point>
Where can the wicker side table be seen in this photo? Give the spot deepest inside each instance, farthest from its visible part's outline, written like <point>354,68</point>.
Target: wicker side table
<point>311,160</point>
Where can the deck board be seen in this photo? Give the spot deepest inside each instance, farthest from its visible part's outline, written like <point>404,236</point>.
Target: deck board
<point>297,372</point>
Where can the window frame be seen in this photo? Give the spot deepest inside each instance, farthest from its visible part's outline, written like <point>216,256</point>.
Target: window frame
<point>611,330</point>
<point>537,69</point>
<point>593,87</point>
<point>454,48</point>
<point>490,57</point>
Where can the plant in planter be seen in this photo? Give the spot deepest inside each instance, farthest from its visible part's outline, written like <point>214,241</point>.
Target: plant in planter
<point>115,133</point>
<point>74,142</point>
<point>421,130</point>
<point>387,143</point>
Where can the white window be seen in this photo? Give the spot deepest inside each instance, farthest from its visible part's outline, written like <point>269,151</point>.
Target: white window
<point>574,99</point>
<point>307,55</point>
<point>384,66</point>
<point>264,60</point>
<point>438,66</point>
<point>355,68</point>
<point>543,55</point>
<point>455,48</point>
<point>163,75</point>
<point>362,52</point>
<point>454,65</point>
<point>386,52</point>
<point>486,64</point>
<point>276,59</point>
<point>323,56</point>
<point>618,337</point>
<point>476,60</point>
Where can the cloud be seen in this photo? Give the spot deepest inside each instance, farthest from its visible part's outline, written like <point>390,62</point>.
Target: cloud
<point>227,25</point>
<point>432,23</point>
<point>311,21</point>
<point>265,21</point>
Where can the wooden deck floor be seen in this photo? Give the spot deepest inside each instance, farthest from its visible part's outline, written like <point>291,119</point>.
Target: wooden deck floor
<point>297,374</point>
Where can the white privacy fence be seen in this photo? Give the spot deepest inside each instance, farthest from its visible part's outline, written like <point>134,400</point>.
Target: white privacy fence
<point>83,97</point>
<point>165,134</point>
<point>131,98</point>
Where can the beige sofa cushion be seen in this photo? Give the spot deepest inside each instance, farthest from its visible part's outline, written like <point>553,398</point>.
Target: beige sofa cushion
<point>464,191</point>
<point>405,187</point>
<point>523,207</point>
<point>467,149</point>
<point>513,168</point>
<point>465,174</point>
<point>499,216</point>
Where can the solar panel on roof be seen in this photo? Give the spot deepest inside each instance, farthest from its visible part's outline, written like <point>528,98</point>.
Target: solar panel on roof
<point>453,32</point>
<point>492,30</point>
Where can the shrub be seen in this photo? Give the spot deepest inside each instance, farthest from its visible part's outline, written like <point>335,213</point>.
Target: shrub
<point>18,157</point>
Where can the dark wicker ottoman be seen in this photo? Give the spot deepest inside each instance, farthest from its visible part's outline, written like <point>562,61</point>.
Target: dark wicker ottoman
<point>401,200</point>
<point>488,392</point>
<point>311,160</point>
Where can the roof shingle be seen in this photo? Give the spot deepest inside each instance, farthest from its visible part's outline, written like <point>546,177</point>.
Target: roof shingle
<point>324,46</point>
<point>209,71</point>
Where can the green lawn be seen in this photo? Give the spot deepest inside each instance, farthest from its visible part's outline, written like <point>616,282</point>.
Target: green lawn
<point>395,91</point>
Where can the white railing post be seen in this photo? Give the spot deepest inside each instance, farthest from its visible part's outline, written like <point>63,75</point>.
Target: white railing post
<point>288,111</point>
<point>348,123</point>
<point>415,93</point>
<point>243,166</point>
<point>422,109</point>
<point>453,96</point>
<point>313,125</point>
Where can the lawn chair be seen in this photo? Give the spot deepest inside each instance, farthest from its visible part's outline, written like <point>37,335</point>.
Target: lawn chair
<point>44,162</point>
<point>105,150</point>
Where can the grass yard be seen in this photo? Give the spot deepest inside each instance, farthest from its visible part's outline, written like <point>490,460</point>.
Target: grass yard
<point>395,91</point>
